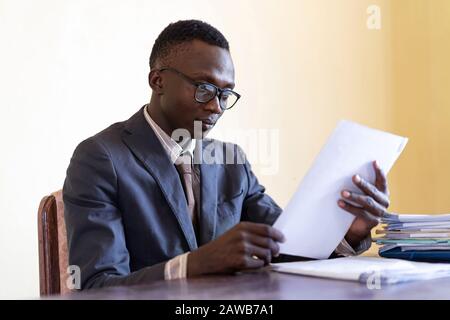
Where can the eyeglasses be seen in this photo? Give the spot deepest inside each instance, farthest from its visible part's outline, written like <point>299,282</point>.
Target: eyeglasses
<point>206,91</point>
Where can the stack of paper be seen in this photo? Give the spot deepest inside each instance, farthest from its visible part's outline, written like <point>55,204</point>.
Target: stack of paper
<point>414,232</point>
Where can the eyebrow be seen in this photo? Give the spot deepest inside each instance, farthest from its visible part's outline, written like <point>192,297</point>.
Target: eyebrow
<point>203,76</point>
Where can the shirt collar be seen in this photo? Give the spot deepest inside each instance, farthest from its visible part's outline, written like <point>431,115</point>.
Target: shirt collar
<point>173,149</point>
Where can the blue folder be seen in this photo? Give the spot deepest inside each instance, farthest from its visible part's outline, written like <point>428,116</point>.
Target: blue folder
<point>424,256</point>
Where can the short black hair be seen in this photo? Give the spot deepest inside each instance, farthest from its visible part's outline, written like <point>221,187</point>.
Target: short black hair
<point>185,31</point>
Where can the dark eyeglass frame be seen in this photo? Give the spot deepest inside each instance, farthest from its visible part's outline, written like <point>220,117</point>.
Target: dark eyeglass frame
<point>219,91</point>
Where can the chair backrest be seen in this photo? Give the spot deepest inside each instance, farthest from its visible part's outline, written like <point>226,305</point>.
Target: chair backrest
<point>53,252</point>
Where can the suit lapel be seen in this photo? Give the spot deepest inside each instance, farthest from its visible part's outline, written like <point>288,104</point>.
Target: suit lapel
<point>144,143</point>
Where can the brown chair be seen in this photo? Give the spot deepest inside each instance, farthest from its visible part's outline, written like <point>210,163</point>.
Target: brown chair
<point>52,236</point>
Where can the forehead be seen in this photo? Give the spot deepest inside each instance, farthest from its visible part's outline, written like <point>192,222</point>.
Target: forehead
<point>205,62</point>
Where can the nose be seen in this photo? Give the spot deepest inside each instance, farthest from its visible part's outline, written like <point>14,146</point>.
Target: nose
<point>214,106</point>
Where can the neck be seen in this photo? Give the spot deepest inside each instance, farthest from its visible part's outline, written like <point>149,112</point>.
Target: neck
<point>155,113</point>
<point>158,117</point>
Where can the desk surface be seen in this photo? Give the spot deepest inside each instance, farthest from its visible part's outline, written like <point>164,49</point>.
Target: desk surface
<point>265,284</point>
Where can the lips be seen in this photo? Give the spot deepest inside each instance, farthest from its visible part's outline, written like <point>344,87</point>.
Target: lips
<point>208,122</point>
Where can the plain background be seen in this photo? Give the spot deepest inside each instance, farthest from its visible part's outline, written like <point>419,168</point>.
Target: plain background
<point>70,68</point>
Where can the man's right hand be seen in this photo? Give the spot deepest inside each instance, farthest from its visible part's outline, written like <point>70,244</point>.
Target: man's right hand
<point>236,250</point>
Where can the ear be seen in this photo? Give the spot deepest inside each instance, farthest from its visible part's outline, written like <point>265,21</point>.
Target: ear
<point>155,81</point>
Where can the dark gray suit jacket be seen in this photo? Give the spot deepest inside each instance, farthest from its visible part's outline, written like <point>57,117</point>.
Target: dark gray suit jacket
<point>125,208</point>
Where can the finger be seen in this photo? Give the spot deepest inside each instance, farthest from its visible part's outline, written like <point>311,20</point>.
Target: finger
<point>370,190</point>
<point>263,254</point>
<point>263,230</point>
<point>358,212</point>
<point>252,263</point>
<point>366,202</point>
<point>380,178</point>
<point>266,243</point>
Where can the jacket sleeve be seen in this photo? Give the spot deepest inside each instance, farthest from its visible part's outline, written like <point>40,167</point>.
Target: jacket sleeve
<point>258,206</point>
<point>96,239</point>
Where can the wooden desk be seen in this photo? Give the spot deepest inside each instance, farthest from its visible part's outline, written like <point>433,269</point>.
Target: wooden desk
<point>266,284</point>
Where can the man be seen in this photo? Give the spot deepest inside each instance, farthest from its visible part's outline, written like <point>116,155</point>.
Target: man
<point>139,208</point>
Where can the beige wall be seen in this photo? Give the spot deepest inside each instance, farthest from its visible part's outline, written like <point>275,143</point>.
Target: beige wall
<point>420,51</point>
<point>312,63</point>
<point>300,66</point>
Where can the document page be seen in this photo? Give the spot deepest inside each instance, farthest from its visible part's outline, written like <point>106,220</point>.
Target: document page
<point>312,221</point>
<point>359,268</point>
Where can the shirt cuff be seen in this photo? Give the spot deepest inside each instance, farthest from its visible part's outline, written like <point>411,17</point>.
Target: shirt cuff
<point>176,268</point>
<point>346,250</point>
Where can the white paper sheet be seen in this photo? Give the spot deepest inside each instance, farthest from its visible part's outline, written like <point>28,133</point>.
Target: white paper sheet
<point>358,268</point>
<point>312,221</point>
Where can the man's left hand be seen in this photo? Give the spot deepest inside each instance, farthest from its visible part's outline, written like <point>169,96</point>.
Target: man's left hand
<point>372,204</point>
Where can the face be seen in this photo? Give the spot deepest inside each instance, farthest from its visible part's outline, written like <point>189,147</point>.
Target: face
<point>175,95</point>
